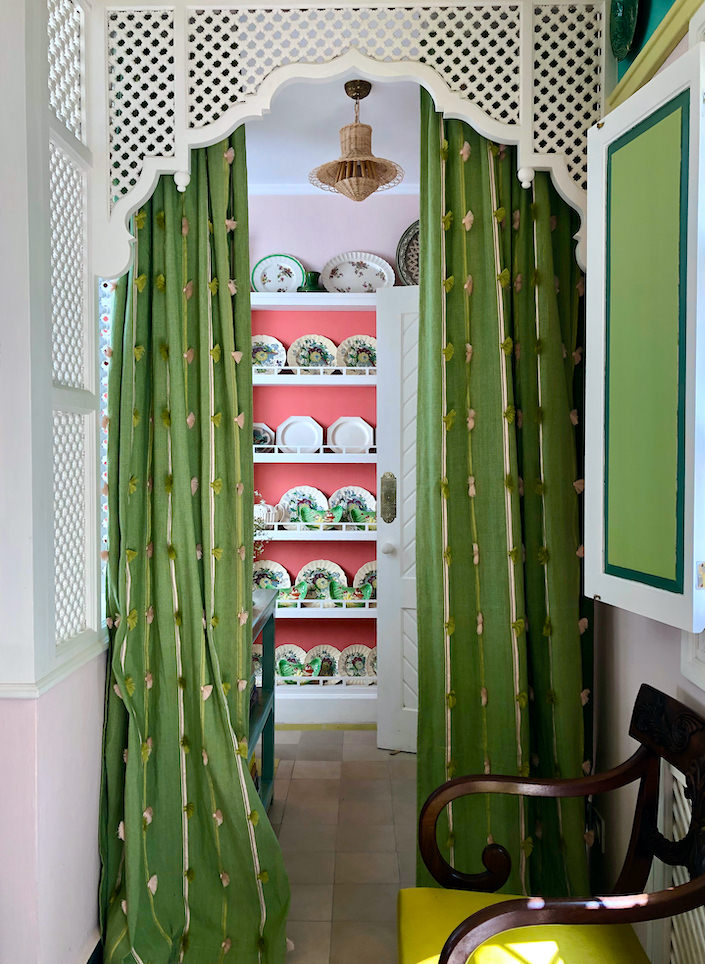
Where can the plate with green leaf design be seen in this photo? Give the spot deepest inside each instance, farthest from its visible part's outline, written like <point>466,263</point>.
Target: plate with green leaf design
<point>623,18</point>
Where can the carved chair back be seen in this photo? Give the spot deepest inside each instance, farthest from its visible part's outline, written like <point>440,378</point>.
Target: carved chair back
<point>667,730</point>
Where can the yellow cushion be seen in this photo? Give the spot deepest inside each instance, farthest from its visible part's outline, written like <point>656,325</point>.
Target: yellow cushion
<point>427,915</point>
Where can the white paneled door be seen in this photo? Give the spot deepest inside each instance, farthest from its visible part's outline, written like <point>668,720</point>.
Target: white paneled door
<point>397,664</point>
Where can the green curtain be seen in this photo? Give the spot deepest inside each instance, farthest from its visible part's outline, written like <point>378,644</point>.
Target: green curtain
<point>498,535</point>
<point>191,868</point>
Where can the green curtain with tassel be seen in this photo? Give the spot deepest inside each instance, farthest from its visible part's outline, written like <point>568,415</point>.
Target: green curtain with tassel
<point>191,868</point>
<point>498,537</point>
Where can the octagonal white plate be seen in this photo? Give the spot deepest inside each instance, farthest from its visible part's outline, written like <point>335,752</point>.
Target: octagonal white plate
<point>299,433</point>
<point>350,434</point>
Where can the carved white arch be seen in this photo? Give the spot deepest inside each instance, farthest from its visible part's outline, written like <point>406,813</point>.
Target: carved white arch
<point>112,239</point>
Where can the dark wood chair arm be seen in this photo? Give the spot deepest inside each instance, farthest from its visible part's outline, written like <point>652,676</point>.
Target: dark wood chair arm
<point>532,911</point>
<point>494,857</point>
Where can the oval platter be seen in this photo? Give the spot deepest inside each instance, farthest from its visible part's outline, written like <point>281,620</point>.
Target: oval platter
<point>357,272</point>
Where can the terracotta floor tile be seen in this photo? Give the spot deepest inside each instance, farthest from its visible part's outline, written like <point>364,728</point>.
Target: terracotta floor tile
<point>368,902</point>
<point>317,770</point>
<point>373,812</point>
<point>312,902</point>
<point>366,868</point>
<point>295,837</point>
<point>365,770</point>
<point>322,751</point>
<point>353,943</point>
<point>311,940</point>
<point>309,867</point>
<point>358,837</point>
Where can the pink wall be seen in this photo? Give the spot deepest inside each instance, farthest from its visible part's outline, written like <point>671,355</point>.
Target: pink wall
<point>314,228</point>
<point>50,755</point>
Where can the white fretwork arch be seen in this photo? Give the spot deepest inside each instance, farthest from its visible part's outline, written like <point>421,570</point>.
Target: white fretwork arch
<point>177,78</point>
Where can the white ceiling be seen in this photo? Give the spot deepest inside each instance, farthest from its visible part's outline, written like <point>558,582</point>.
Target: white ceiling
<point>301,132</point>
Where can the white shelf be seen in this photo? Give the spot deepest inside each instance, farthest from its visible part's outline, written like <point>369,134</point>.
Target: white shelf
<point>347,609</point>
<point>290,378</point>
<point>325,704</point>
<point>341,683</point>
<point>348,532</point>
<point>308,457</point>
<point>315,301</point>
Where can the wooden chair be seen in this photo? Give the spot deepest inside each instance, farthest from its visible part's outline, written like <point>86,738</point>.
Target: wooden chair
<point>466,916</point>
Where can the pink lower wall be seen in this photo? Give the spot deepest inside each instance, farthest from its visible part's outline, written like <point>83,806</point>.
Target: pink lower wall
<point>50,751</point>
<point>316,227</point>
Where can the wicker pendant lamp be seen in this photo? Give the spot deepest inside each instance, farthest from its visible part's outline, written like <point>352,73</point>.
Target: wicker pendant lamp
<point>357,173</point>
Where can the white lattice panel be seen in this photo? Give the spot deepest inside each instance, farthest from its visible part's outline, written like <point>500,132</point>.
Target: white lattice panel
<point>70,597</point>
<point>475,48</point>
<point>568,58</point>
<point>140,91</point>
<point>68,268</point>
<point>65,53</point>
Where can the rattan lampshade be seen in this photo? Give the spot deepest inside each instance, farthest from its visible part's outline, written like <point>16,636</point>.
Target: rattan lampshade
<point>357,173</point>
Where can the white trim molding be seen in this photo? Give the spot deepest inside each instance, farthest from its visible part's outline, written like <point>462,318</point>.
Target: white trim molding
<point>174,78</point>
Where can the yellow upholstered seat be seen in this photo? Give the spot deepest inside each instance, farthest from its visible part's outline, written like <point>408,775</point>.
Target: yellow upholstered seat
<point>427,915</point>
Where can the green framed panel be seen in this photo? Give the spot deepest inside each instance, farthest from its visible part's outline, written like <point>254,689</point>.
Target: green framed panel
<point>646,273</point>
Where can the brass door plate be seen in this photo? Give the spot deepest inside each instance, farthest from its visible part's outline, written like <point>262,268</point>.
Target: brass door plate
<point>388,497</point>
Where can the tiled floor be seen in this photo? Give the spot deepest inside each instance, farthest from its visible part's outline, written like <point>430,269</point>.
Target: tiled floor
<point>345,815</point>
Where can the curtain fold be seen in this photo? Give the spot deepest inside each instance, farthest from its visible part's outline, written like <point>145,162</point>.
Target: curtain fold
<point>498,536</point>
<point>191,868</point>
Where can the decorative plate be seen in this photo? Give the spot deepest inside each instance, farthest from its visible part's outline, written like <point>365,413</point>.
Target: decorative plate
<point>257,659</point>
<point>353,663</point>
<point>350,434</point>
<point>301,495</point>
<point>311,353</point>
<point>372,662</point>
<point>294,655</point>
<point>366,576</point>
<point>290,596</point>
<point>328,656</point>
<point>358,351</point>
<point>262,437</point>
<point>363,518</point>
<point>321,518</point>
<point>408,255</point>
<point>351,495</point>
<point>267,574</point>
<point>268,355</point>
<point>348,596</point>
<point>357,271</point>
<point>278,272</point>
<point>318,575</point>
<point>299,433</point>
<point>623,17</point>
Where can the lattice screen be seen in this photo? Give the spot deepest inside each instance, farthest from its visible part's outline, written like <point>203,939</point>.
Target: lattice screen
<point>65,37</point>
<point>70,597</point>
<point>475,48</point>
<point>68,268</point>
<point>141,91</point>
<point>567,80</point>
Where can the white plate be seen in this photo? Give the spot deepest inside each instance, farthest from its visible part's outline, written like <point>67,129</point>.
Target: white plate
<point>267,574</point>
<point>313,354</point>
<point>371,665</point>
<point>301,494</point>
<point>350,434</point>
<point>367,575</point>
<point>262,437</point>
<point>357,271</point>
<point>299,433</point>
<point>353,495</point>
<point>358,351</point>
<point>268,355</point>
<point>318,574</point>
<point>278,272</point>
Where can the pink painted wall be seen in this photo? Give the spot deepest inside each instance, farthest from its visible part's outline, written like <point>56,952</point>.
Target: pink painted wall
<point>50,764</point>
<point>314,228</point>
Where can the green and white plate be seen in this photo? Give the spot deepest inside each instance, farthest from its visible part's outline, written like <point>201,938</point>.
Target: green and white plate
<point>328,656</point>
<point>301,495</point>
<point>267,574</point>
<point>318,575</point>
<point>358,351</point>
<point>278,272</point>
<point>367,576</point>
<point>353,495</point>
<point>268,355</point>
<point>312,355</point>
<point>353,663</point>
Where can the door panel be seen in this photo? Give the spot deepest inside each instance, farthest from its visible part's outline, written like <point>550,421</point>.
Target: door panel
<point>397,660</point>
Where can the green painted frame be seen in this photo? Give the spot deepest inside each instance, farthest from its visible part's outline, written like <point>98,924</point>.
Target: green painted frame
<point>680,102</point>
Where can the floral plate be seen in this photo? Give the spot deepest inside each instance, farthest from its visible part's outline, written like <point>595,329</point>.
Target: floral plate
<point>311,354</point>
<point>318,575</point>
<point>262,437</point>
<point>268,355</point>
<point>278,272</point>
<point>372,662</point>
<point>257,659</point>
<point>409,255</point>
<point>328,656</point>
<point>353,495</point>
<point>298,496</point>
<point>357,271</point>
<point>267,574</point>
<point>291,596</point>
<point>367,576</point>
<point>353,663</point>
<point>358,351</point>
<point>290,653</point>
